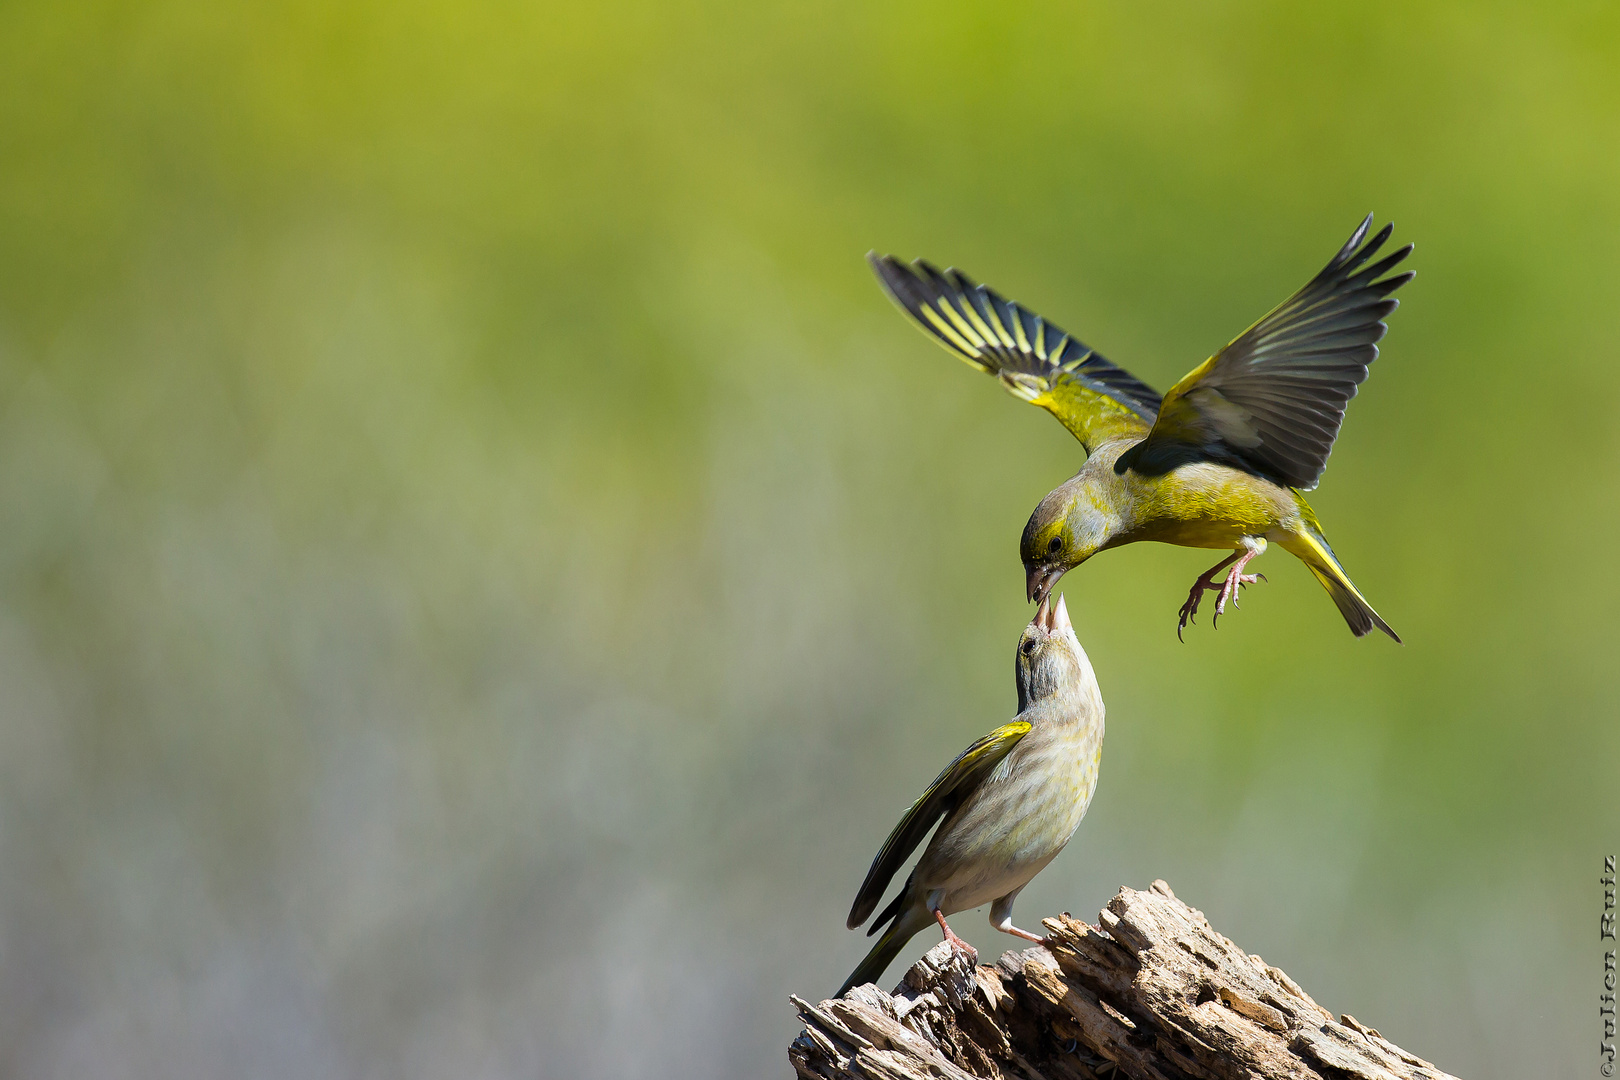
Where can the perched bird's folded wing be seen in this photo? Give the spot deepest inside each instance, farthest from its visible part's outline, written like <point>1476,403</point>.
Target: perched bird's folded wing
<point>1036,361</point>
<point>1272,401</point>
<point>943,795</point>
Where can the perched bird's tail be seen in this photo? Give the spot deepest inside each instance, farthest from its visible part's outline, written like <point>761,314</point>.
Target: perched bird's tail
<point>907,922</point>
<point>1312,548</point>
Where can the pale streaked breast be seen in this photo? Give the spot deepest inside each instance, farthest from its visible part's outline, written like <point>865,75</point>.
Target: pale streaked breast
<point>1019,819</point>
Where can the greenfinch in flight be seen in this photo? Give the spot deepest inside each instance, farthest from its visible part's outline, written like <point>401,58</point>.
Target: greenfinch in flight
<point>1221,461</point>
<point>1010,802</point>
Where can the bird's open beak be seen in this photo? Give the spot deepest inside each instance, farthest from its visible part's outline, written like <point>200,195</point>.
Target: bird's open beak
<point>1040,580</point>
<point>1053,618</point>
<point>1060,618</point>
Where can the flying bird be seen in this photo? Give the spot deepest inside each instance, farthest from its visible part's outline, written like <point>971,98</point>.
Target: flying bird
<point>1221,461</point>
<point>1009,802</point>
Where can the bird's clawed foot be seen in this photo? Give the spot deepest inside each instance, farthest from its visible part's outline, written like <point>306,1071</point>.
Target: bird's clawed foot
<point>1206,581</point>
<point>1235,579</point>
<point>956,943</point>
<point>1226,588</point>
<point>1026,935</point>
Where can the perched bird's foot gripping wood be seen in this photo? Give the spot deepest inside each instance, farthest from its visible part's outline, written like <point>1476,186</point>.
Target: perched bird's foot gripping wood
<point>1227,587</point>
<point>1152,993</point>
<point>955,942</point>
<point>1025,934</point>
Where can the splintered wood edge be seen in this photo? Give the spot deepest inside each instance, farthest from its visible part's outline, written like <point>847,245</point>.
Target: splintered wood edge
<point>1151,992</point>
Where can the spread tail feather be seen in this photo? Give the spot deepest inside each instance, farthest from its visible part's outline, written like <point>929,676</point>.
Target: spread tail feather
<point>1315,553</point>
<point>906,924</point>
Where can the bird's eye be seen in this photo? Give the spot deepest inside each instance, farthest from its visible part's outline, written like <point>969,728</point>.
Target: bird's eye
<point>1056,543</point>
<point>1029,646</point>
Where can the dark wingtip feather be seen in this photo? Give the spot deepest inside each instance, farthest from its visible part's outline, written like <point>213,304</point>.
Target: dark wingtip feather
<point>866,901</point>
<point>888,913</point>
<point>862,910</point>
<point>891,273</point>
<point>1378,269</point>
<point>1343,265</point>
<point>1355,237</point>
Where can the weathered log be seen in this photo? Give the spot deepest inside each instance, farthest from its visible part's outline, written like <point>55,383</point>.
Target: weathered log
<point>1152,993</point>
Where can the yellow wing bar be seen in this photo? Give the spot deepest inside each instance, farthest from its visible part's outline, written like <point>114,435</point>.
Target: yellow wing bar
<point>1033,359</point>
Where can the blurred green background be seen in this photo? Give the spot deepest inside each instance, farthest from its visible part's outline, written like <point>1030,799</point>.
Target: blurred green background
<point>482,565</point>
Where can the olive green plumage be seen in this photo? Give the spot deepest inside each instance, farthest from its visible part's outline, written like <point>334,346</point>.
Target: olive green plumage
<point>1009,802</point>
<point>1221,461</point>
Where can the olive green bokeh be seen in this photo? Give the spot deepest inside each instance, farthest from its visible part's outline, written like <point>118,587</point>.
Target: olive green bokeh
<point>482,565</point>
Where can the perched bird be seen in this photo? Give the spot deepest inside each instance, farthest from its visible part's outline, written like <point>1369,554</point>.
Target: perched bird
<point>1010,802</point>
<point>1221,461</point>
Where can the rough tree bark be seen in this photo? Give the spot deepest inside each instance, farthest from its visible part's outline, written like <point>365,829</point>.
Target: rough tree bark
<point>1153,993</point>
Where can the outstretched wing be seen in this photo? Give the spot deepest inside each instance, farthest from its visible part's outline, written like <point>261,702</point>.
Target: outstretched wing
<point>1035,360</point>
<point>943,795</point>
<point>1272,401</point>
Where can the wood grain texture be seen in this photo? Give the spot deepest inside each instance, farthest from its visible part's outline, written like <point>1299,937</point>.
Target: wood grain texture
<point>1151,993</point>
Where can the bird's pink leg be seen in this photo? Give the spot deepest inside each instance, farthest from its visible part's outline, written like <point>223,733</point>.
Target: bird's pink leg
<point>1235,579</point>
<point>1025,934</point>
<point>1206,581</point>
<point>956,942</point>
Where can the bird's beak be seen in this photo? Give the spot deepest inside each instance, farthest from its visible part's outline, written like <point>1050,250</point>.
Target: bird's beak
<point>1053,619</point>
<point>1043,617</point>
<point>1040,580</point>
<point>1060,618</point>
